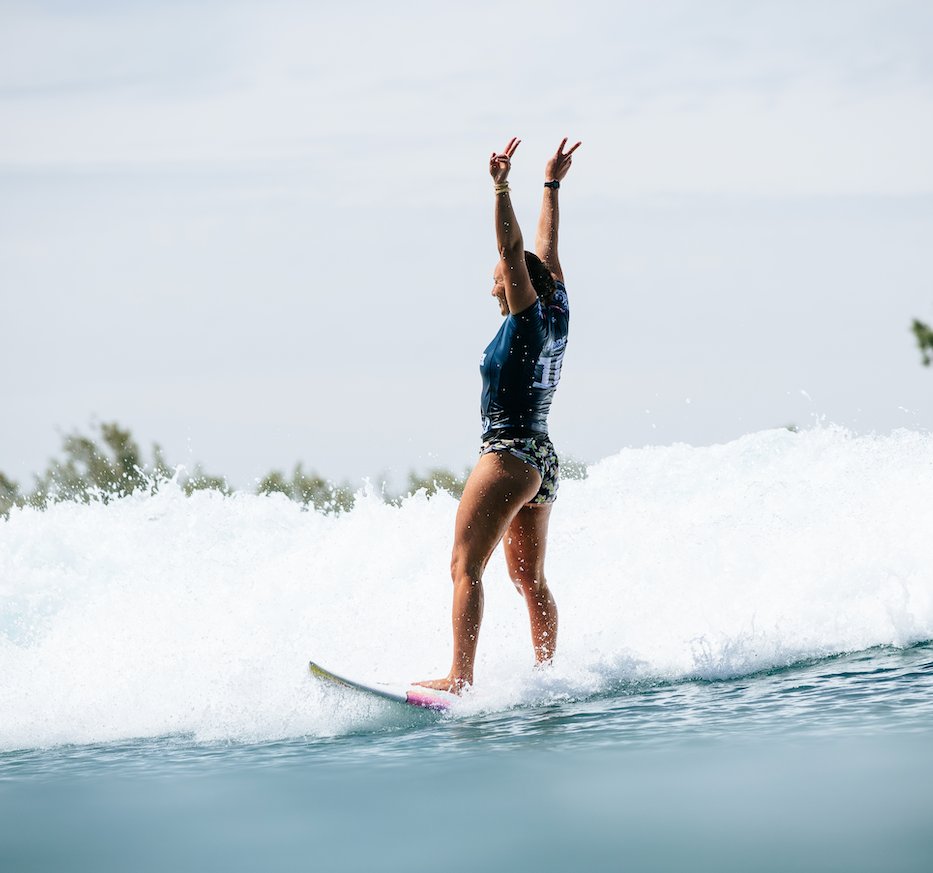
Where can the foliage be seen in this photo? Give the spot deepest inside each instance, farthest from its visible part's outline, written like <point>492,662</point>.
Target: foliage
<point>111,470</point>
<point>201,481</point>
<point>571,468</point>
<point>308,488</point>
<point>437,479</point>
<point>109,464</point>
<point>9,495</point>
<point>924,335</point>
<point>101,467</point>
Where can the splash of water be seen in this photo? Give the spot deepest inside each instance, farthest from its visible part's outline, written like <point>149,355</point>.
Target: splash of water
<point>166,614</point>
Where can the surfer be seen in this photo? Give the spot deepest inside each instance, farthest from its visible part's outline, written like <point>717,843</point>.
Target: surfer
<point>509,494</point>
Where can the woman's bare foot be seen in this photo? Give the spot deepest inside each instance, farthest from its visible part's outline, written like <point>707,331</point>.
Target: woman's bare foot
<point>453,685</point>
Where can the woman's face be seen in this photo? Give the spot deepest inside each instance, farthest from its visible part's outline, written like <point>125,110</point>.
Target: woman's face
<point>498,288</point>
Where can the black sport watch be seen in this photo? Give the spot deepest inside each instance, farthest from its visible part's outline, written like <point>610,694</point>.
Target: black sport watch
<point>555,184</point>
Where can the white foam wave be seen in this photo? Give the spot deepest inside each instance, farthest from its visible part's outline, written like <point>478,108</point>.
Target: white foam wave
<point>164,614</point>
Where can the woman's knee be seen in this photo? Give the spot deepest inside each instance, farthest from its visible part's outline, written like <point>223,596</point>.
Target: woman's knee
<point>529,581</point>
<point>464,565</point>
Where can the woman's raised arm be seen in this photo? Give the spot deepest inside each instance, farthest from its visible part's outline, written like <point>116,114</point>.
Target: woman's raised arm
<point>519,292</point>
<point>546,237</point>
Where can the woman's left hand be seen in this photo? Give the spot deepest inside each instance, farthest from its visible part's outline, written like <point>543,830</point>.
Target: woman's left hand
<point>557,167</point>
<point>500,163</point>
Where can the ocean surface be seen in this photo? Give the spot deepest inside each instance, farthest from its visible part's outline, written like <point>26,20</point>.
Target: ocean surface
<point>744,678</point>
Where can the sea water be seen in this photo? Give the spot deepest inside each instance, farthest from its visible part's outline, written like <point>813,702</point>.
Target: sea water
<point>744,678</point>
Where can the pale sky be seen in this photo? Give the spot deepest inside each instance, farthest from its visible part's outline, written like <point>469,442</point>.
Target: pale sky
<point>262,232</point>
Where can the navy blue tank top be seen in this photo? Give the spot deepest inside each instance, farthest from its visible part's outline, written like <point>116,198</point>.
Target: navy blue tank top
<point>521,368</point>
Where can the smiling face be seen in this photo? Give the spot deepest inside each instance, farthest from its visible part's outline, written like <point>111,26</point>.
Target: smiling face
<point>498,288</point>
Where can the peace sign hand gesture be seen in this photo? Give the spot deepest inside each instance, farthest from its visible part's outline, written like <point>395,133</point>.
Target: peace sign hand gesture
<point>501,163</point>
<point>558,166</point>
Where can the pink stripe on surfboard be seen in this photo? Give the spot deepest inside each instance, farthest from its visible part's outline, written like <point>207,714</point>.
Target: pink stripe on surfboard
<point>437,700</point>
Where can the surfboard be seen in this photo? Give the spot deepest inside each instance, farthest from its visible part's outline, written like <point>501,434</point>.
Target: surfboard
<point>412,695</point>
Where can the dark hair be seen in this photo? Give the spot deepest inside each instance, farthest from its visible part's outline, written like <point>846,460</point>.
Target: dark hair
<point>541,278</point>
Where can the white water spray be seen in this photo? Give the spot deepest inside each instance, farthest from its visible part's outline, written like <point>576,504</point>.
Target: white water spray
<point>168,614</point>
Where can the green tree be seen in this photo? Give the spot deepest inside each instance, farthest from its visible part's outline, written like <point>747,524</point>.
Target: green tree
<point>924,336</point>
<point>102,466</point>
<point>109,463</point>
<point>437,479</point>
<point>571,468</point>
<point>201,481</point>
<point>9,495</point>
<point>112,469</point>
<point>308,489</point>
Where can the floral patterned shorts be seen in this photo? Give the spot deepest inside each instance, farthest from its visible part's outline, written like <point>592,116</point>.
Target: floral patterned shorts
<point>537,451</point>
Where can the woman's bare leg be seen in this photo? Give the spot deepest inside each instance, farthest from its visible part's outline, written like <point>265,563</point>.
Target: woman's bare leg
<point>525,544</point>
<point>499,486</point>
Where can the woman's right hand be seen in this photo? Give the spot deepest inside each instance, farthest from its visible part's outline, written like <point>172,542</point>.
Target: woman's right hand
<point>500,163</point>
